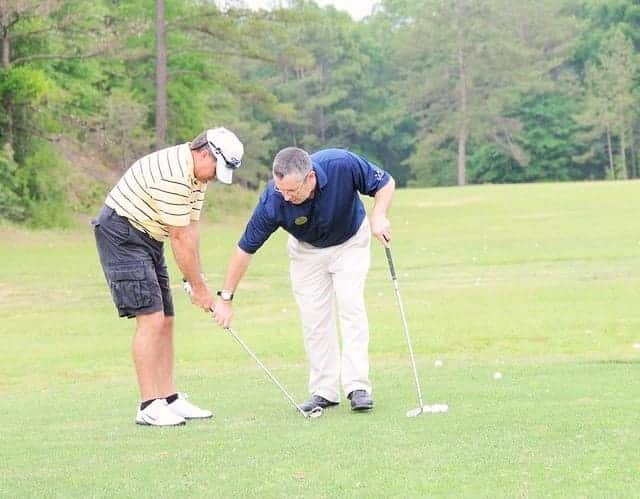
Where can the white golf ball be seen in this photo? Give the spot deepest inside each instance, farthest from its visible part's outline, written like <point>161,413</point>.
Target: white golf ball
<point>438,363</point>
<point>497,375</point>
<point>636,346</point>
<point>434,408</point>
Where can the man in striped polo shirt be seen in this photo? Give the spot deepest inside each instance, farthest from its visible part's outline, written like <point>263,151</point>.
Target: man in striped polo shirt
<point>160,197</point>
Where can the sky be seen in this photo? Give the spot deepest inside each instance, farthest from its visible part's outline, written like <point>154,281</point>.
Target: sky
<point>356,8</point>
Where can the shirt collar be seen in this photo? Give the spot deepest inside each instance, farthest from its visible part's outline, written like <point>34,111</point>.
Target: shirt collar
<point>321,175</point>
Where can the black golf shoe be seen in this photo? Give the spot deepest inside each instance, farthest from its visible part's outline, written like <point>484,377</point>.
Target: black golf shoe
<point>360,400</point>
<point>316,401</point>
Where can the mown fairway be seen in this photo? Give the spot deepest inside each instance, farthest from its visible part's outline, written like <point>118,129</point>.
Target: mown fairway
<point>538,282</point>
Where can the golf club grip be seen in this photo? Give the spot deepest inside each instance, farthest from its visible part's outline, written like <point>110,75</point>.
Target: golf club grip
<point>392,269</point>
<point>186,286</point>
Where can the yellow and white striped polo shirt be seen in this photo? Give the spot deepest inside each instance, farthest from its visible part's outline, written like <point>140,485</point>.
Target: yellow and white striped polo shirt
<point>159,190</point>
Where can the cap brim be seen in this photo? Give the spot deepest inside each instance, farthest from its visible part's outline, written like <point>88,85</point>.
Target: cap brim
<point>223,174</point>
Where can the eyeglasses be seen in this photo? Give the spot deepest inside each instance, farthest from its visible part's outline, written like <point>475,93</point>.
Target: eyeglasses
<point>292,192</point>
<point>232,163</point>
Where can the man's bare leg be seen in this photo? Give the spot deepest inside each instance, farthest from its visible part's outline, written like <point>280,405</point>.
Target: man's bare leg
<point>147,351</point>
<point>165,363</point>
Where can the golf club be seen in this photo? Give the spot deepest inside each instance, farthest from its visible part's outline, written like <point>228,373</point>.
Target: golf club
<point>421,409</point>
<point>316,412</point>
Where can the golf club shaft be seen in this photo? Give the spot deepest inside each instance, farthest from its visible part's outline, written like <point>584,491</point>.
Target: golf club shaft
<point>187,287</point>
<point>264,368</point>
<point>394,278</point>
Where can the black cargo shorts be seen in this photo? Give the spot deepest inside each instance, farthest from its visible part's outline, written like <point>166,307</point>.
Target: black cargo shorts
<point>134,266</point>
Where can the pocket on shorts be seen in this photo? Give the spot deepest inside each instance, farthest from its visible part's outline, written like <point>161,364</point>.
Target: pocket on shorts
<point>129,287</point>
<point>119,229</point>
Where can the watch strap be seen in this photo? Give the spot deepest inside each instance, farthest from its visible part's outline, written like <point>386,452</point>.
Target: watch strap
<point>225,295</point>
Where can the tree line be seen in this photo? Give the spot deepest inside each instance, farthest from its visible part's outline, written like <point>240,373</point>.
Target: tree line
<point>438,92</point>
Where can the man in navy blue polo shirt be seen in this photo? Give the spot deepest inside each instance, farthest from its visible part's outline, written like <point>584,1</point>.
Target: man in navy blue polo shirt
<point>316,199</point>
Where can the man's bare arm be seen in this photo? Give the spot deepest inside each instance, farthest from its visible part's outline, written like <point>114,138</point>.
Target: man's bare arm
<point>238,265</point>
<point>185,243</point>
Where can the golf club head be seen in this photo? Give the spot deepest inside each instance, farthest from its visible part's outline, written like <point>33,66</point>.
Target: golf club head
<point>316,412</point>
<point>435,408</point>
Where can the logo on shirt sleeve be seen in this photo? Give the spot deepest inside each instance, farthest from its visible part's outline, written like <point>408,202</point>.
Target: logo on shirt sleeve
<point>300,220</point>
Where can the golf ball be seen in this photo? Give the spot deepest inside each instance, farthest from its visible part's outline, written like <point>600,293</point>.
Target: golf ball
<point>636,346</point>
<point>497,375</point>
<point>438,363</point>
<point>434,408</point>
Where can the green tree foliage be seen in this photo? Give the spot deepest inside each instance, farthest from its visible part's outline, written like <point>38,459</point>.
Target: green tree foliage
<point>30,176</point>
<point>609,100</point>
<point>11,205</point>
<point>437,92</point>
<point>466,64</point>
<point>548,140</point>
<point>601,18</point>
<point>36,37</point>
<point>333,76</point>
<point>206,49</point>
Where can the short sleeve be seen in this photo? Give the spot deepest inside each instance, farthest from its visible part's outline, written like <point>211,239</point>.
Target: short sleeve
<point>259,228</point>
<point>367,177</point>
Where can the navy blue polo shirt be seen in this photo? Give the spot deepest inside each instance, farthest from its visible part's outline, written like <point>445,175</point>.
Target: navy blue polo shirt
<point>332,216</point>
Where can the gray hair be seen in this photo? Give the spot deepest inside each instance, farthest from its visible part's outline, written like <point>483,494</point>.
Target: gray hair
<point>291,160</point>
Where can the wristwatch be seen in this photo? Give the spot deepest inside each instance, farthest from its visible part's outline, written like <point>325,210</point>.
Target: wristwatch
<point>225,295</point>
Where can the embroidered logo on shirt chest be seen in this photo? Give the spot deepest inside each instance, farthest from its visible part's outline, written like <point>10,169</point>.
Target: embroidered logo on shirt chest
<point>300,220</point>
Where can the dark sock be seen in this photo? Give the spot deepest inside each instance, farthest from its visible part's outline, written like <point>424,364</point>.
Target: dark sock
<point>146,404</point>
<point>171,398</point>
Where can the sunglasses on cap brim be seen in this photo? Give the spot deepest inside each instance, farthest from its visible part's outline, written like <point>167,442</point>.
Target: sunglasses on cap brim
<point>232,163</point>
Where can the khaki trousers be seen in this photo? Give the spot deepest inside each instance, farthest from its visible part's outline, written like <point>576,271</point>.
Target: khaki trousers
<point>327,282</point>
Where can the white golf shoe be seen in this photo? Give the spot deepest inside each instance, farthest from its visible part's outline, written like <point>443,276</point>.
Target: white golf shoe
<point>157,413</point>
<point>182,407</point>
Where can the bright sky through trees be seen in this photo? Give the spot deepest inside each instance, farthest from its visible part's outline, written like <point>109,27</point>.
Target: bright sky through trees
<point>358,9</point>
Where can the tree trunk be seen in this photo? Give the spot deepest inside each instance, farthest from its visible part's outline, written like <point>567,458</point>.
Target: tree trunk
<point>611,167</point>
<point>7,103</point>
<point>462,156</point>
<point>4,40</point>
<point>323,126</point>
<point>623,155</point>
<point>462,130</point>
<point>632,155</point>
<point>161,76</point>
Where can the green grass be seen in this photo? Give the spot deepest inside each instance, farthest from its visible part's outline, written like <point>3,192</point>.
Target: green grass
<point>540,282</point>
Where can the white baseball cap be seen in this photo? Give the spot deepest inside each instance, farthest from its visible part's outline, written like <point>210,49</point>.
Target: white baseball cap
<point>228,151</point>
